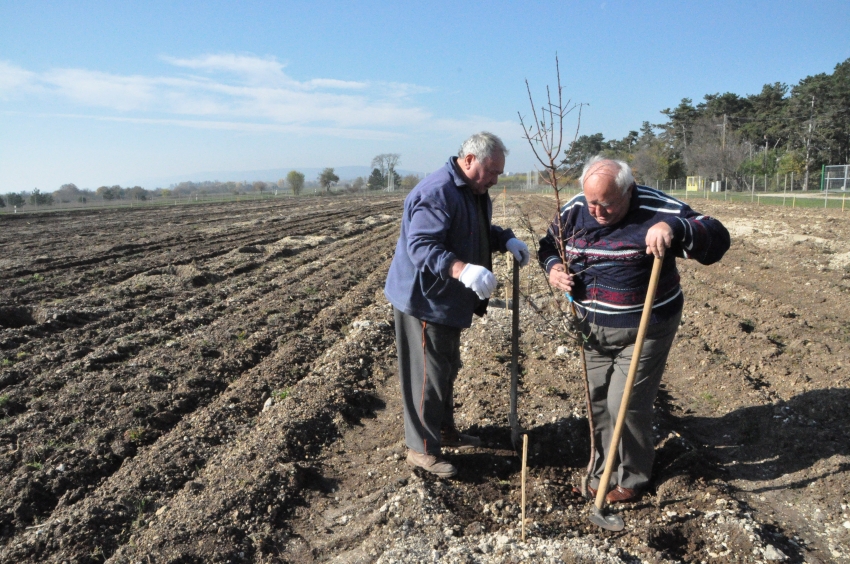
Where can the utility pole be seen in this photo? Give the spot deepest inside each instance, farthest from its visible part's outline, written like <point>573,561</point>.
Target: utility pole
<point>723,147</point>
<point>808,143</point>
<point>764,157</point>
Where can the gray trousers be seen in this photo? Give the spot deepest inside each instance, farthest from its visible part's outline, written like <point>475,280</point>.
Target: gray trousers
<point>428,363</point>
<point>608,352</point>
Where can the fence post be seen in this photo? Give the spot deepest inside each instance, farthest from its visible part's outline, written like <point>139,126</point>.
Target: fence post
<point>785,191</point>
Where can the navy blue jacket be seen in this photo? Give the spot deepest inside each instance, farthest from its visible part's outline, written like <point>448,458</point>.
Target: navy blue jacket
<point>439,226</point>
<point>610,263</point>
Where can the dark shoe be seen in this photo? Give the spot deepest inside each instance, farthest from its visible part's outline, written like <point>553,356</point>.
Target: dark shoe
<point>430,463</point>
<point>592,491</point>
<point>622,495</point>
<point>451,438</point>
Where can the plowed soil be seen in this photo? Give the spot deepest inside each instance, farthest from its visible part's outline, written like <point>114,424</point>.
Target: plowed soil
<point>217,383</point>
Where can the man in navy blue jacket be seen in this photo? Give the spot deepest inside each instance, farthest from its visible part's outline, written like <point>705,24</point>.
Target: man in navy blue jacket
<point>440,275</point>
<point>607,236</point>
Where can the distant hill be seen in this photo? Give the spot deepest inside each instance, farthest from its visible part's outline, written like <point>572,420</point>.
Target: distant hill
<point>345,173</point>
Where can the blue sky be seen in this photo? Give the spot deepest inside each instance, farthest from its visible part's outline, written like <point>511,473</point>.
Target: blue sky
<point>148,92</point>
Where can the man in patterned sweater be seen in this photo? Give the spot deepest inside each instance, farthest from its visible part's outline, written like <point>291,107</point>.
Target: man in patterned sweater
<point>607,236</point>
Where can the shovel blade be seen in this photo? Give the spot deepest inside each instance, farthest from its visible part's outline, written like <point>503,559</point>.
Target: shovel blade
<point>608,522</point>
<point>516,432</point>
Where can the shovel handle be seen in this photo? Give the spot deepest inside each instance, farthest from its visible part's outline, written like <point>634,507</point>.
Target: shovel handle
<point>630,380</point>
<point>515,346</point>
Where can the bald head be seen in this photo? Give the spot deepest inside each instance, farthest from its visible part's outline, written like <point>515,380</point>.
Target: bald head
<point>620,171</point>
<point>607,186</point>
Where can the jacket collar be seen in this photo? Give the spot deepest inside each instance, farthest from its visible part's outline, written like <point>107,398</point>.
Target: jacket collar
<point>459,180</point>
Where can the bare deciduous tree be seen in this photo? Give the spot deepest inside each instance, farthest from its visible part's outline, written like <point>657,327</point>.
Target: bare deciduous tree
<point>386,162</point>
<point>546,138</point>
<point>545,135</point>
<point>709,154</point>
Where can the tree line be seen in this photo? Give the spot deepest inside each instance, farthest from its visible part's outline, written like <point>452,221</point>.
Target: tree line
<point>778,131</point>
<point>383,176</point>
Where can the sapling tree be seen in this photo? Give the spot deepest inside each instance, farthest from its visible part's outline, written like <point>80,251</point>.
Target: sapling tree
<point>545,136</point>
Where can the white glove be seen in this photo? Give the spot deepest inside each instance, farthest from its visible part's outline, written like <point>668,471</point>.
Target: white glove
<point>478,279</point>
<point>519,250</point>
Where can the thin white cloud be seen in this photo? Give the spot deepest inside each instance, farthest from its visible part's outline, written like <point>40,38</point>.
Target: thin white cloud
<point>236,92</point>
<point>244,126</point>
<point>403,90</point>
<point>333,83</point>
<point>122,93</point>
<point>13,78</point>
<point>254,69</point>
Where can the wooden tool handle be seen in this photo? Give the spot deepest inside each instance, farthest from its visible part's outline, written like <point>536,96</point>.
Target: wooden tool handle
<point>630,380</point>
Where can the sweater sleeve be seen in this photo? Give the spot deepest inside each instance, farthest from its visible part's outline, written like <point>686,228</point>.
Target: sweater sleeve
<point>699,237</point>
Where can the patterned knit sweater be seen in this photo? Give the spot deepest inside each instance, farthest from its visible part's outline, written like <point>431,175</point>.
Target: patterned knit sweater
<point>610,263</point>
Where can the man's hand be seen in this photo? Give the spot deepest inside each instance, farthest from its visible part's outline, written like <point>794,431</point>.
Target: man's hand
<point>478,279</point>
<point>560,279</point>
<point>658,239</point>
<point>519,250</point>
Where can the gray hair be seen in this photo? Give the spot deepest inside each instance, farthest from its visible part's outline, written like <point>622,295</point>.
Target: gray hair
<point>482,145</point>
<point>624,179</point>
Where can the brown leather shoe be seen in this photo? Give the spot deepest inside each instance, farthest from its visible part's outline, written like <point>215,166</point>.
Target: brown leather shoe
<point>622,495</point>
<point>430,463</point>
<point>452,438</point>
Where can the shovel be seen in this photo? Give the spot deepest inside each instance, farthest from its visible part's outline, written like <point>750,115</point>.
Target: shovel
<point>597,517</point>
<point>516,430</point>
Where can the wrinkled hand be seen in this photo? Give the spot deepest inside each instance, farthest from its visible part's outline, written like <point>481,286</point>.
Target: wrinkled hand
<point>519,250</point>
<point>658,239</point>
<point>478,279</point>
<point>560,278</point>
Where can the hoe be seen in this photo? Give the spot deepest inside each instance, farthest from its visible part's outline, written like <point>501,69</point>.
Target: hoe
<point>597,516</point>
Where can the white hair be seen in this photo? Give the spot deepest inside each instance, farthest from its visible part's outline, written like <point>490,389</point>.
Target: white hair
<point>482,145</point>
<point>624,179</point>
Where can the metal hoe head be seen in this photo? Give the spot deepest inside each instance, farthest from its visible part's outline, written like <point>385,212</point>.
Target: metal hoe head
<point>608,522</point>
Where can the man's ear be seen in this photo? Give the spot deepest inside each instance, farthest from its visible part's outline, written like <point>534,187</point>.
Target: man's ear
<point>467,161</point>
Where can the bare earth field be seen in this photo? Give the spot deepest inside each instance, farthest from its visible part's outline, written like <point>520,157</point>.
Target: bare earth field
<point>216,383</point>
